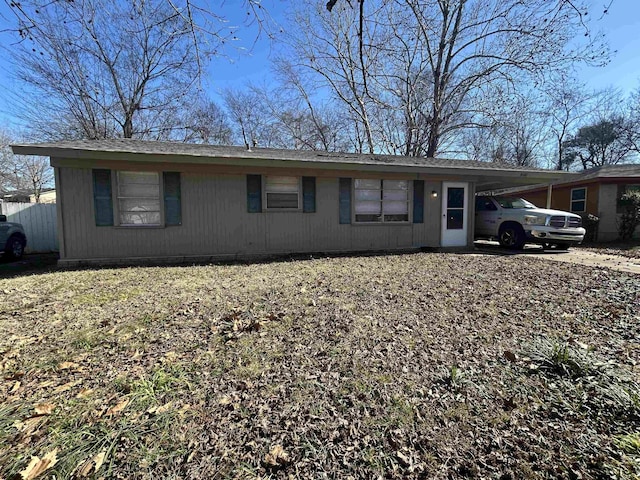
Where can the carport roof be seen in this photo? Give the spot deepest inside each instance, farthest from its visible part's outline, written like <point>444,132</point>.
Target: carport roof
<point>487,175</point>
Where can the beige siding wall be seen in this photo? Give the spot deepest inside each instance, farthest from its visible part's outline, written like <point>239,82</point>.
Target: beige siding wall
<point>215,222</point>
<point>608,226</point>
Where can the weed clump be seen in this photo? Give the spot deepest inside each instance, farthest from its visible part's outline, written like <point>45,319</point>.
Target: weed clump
<point>561,358</point>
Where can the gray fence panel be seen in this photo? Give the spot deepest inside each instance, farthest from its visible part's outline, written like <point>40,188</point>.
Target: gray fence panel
<point>40,224</point>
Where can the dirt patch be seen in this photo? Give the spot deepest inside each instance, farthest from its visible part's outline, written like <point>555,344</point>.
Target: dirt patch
<point>410,366</point>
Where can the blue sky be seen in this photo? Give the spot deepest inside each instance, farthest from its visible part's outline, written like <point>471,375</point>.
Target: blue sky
<point>621,24</point>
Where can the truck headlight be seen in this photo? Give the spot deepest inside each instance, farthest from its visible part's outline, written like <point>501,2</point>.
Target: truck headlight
<point>534,220</point>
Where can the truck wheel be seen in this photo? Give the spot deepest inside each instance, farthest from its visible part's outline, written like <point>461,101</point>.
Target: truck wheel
<point>511,236</point>
<point>14,249</point>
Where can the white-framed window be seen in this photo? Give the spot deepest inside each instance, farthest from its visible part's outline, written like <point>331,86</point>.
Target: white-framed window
<point>381,200</point>
<point>138,198</point>
<point>282,193</point>
<point>579,199</point>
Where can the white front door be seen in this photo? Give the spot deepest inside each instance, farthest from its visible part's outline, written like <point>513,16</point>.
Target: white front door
<point>454,214</point>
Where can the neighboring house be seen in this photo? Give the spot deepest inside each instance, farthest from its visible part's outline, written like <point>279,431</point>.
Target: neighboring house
<point>595,191</point>
<point>19,196</point>
<point>130,199</point>
<point>47,195</point>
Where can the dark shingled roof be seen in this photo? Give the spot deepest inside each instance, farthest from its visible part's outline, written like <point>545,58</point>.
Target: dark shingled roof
<point>629,170</point>
<point>231,152</point>
<point>609,171</point>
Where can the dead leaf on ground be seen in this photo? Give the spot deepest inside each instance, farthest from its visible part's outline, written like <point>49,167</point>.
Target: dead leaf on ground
<point>68,365</point>
<point>67,386</point>
<point>15,387</point>
<point>37,466</point>
<point>14,376</point>
<point>27,425</point>
<point>46,384</point>
<point>45,408</point>
<point>510,356</point>
<point>118,407</point>
<point>277,457</point>
<point>91,465</point>
<point>84,393</point>
<point>161,409</point>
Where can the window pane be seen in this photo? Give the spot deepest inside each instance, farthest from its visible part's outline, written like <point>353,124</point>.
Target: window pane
<point>139,198</point>
<point>139,205</point>
<point>455,197</point>
<point>368,184</point>
<point>368,207</point>
<point>395,194</point>
<point>396,207</point>
<point>138,190</point>
<point>396,218</point>
<point>396,184</point>
<point>578,194</point>
<point>368,195</point>
<point>275,179</point>
<point>368,218</point>
<point>282,200</point>
<point>455,219</point>
<point>140,218</point>
<point>282,184</point>
<point>138,177</point>
<point>578,206</point>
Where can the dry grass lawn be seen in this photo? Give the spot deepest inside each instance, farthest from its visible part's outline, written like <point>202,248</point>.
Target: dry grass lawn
<point>411,366</point>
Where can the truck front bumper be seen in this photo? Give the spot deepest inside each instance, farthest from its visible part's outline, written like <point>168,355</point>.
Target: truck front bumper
<point>551,235</point>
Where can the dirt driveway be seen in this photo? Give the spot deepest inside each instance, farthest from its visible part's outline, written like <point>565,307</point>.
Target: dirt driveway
<point>578,256</point>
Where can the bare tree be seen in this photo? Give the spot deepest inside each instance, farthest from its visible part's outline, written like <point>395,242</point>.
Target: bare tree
<point>310,122</point>
<point>22,172</point>
<point>439,63</point>
<point>115,69</point>
<point>253,122</point>
<point>515,134</point>
<point>328,46</point>
<point>567,103</point>
<point>634,122</point>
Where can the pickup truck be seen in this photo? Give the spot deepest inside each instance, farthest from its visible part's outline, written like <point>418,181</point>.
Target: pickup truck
<point>12,239</point>
<point>514,221</point>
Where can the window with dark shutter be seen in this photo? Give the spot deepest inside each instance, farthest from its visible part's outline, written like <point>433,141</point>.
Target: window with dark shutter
<point>172,199</point>
<point>102,201</point>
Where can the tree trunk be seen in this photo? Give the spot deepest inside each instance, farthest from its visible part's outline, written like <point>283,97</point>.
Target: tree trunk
<point>127,128</point>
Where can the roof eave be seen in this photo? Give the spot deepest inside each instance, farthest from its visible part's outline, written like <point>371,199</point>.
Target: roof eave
<point>147,157</point>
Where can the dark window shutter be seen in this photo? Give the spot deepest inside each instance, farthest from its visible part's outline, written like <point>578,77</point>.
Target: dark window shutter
<point>345,200</point>
<point>172,200</point>
<point>309,194</point>
<point>254,193</point>
<point>102,198</point>
<point>418,201</point>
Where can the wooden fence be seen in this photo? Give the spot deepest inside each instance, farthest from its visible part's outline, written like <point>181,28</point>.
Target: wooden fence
<point>39,221</point>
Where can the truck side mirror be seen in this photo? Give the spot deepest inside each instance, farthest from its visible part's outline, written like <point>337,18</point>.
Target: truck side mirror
<point>3,218</point>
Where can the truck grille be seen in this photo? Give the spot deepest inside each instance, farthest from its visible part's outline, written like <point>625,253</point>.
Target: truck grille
<point>560,222</point>
<point>574,222</point>
<point>557,221</point>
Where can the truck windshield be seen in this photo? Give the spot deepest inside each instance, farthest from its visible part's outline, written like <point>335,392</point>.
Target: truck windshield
<point>514,202</point>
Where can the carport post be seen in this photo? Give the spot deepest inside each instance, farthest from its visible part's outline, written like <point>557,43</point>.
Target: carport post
<point>549,192</point>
